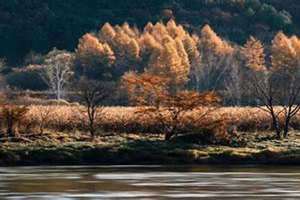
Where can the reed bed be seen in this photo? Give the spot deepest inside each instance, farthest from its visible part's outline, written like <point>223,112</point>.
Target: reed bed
<point>127,119</point>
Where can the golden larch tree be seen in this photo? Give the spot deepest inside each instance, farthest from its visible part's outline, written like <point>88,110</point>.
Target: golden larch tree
<point>107,33</point>
<point>283,54</point>
<point>253,53</point>
<point>93,58</point>
<point>278,83</point>
<point>214,62</point>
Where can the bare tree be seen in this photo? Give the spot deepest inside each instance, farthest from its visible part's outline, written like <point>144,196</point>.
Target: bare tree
<point>233,83</point>
<point>57,70</point>
<point>43,114</point>
<point>276,86</point>
<point>93,94</point>
<point>280,100</point>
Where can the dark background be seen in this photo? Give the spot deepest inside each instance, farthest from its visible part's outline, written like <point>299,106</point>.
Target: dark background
<point>39,25</point>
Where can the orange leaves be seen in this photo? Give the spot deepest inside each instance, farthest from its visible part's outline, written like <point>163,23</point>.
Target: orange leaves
<point>162,49</point>
<point>190,45</point>
<point>94,58</point>
<point>90,50</point>
<point>285,52</point>
<point>253,52</point>
<point>280,85</point>
<point>174,30</point>
<point>170,50</point>
<point>89,44</point>
<point>134,49</point>
<point>150,90</point>
<point>144,89</point>
<point>122,39</point>
<point>168,107</point>
<point>107,32</point>
<point>171,64</point>
<point>168,55</point>
<point>212,43</point>
<point>190,100</point>
<point>213,61</point>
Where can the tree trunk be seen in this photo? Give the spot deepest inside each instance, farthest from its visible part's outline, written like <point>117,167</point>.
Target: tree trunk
<point>58,93</point>
<point>286,127</point>
<point>10,130</point>
<point>169,133</point>
<point>92,129</point>
<point>42,128</point>
<point>91,118</point>
<point>92,132</point>
<point>168,136</point>
<point>276,126</point>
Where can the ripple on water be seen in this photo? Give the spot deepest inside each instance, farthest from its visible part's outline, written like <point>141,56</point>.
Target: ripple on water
<point>142,183</point>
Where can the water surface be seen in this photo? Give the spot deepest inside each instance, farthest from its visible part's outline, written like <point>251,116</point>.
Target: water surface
<point>155,182</point>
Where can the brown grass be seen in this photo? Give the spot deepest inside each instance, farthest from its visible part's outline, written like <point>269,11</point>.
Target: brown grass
<point>125,119</point>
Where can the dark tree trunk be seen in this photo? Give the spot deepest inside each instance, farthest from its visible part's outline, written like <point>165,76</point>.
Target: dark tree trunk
<point>286,127</point>
<point>92,129</point>
<point>168,136</point>
<point>91,117</point>
<point>170,132</point>
<point>10,125</point>
<point>276,126</point>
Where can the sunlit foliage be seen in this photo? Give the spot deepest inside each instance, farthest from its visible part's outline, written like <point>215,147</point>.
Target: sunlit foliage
<point>277,82</point>
<point>93,58</point>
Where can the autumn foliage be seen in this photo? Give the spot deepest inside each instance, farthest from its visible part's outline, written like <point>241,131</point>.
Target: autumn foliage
<point>169,72</point>
<point>275,83</point>
<point>157,98</point>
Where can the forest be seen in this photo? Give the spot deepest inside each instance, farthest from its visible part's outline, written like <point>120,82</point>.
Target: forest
<point>39,25</point>
<point>189,89</point>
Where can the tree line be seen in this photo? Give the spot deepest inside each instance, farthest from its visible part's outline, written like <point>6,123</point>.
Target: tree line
<point>39,25</point>
<point>201,62</point>
<point>166,67</point>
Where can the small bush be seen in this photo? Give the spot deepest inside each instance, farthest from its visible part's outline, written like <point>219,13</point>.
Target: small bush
<point>12,116</point>
<point>26,80</point>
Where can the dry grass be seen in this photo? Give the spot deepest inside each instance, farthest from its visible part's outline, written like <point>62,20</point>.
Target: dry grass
<point>125,119</point>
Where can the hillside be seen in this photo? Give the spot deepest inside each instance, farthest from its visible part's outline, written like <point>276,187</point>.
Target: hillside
<point>39,25</point>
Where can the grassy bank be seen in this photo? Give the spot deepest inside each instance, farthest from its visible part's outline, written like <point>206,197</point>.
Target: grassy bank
<point>135,149</point>
<point>124,137</point>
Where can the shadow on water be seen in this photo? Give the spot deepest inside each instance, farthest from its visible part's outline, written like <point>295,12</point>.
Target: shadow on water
<point>150,182</point>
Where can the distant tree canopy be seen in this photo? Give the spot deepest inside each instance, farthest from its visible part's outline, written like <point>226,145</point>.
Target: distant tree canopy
<point>39,25</point>
<point>199,60</point>
<point>28,79</point>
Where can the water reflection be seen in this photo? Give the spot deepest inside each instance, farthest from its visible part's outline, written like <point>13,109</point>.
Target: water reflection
<point>155,182</point>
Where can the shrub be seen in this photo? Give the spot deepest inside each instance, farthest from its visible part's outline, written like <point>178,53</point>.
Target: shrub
<point>11,116</point>
<point>28,80</point>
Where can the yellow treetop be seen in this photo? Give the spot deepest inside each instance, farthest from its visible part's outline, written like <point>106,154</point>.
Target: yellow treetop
<point>253,53</point>
<point>131,32</point>
<point>284,56</point>
<point>107,33</point>
<point>210,42</point>
<point>175,30</point>
<point>133,49</point>
<point>190,46</point>
<point>91,50</point>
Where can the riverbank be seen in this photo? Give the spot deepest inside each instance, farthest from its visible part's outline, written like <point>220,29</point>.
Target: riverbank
<point>132,149</point>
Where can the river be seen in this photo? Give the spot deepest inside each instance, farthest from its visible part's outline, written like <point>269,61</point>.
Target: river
<point>150,182</point>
